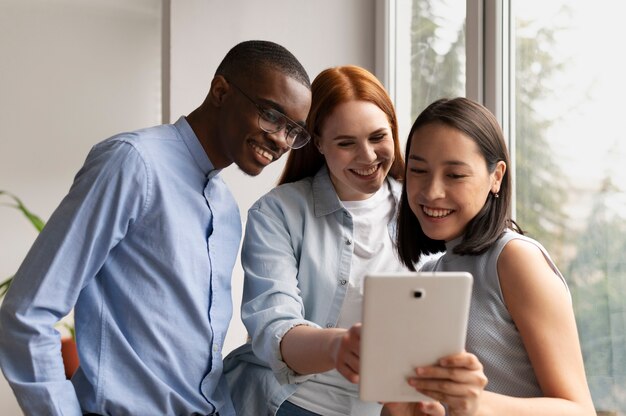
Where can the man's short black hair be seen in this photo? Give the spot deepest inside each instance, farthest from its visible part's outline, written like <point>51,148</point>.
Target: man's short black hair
<point>250,56</point>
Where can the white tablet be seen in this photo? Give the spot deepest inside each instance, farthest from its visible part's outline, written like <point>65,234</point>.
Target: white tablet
<point>409,320</point>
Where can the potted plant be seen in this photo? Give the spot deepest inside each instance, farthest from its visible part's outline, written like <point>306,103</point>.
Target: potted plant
<point>68,343</point>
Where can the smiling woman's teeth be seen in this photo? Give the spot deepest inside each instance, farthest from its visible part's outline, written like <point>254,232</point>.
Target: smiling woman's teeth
<point>365,172</point>
<point>436,212</point>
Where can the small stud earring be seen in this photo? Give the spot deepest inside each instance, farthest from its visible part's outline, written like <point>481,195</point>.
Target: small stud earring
<point>496,195</point>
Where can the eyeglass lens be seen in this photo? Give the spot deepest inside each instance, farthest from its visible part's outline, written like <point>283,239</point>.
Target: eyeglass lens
<point>273,121</point>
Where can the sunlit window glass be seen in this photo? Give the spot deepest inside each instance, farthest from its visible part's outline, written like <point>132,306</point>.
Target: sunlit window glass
<point>570,156</point>
<point>437,51</point>
<point>430,54</point>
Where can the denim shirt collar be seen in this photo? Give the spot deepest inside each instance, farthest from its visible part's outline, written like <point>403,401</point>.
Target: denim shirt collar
<point>195,148</point>
<point>325,199</point>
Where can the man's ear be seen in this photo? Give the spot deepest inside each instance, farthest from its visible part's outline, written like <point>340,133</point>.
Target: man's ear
<point>219,90</point>
<point>316,142</point>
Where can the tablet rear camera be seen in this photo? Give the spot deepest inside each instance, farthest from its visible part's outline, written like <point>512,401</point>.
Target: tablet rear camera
<point>417,294</point>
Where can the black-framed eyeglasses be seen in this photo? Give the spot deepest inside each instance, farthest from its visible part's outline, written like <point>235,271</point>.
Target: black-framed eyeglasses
<point>272,121</point>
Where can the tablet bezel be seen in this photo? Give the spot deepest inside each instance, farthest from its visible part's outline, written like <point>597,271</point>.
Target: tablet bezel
<point>402,330</point>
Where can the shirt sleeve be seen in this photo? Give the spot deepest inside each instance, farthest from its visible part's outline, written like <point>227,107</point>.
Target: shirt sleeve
<point>271,303</point>
<point>107,196</point>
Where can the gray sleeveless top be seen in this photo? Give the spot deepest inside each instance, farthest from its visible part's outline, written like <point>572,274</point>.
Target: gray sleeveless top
<point>491,334</point>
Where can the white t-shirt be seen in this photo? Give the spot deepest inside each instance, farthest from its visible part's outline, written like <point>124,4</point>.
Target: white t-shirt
<point>373,249</point>
<point>330,394</point>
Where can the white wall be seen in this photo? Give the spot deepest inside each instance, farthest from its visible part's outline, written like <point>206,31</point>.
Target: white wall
<point>73,72</point>
<point>69,77</point>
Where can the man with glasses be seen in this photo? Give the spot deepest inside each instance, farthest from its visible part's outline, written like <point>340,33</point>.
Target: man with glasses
<point>143,248</point>
<point>272,121</point>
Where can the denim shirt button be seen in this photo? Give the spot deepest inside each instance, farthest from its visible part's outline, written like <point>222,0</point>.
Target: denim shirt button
<point>348,241</point>
<point>329,325</point>
<point>343,282</point>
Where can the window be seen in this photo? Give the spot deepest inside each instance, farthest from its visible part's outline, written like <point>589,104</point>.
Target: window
<point>571,189</point>
<point>428,45</point>
<point>553,75</point>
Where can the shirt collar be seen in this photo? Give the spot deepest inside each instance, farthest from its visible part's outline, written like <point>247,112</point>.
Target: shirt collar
<point>195,148</point>
<point>450,245</point>
<point>325,199</point>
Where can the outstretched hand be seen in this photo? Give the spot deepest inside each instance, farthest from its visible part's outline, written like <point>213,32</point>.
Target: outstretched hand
<point>346,355</point>
<point>457,380</point>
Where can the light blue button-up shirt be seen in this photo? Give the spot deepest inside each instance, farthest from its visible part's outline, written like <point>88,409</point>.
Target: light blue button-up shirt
<point>297,254</point>
<point>143,247</point>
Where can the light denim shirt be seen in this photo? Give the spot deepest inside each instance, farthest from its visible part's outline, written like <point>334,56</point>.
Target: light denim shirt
<point>143,246</point>
<point>296,254</point>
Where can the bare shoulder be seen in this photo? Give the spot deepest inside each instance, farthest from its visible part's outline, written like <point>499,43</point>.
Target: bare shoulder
<point>523,270</point>
<point>518,252</point>
<point>519,257</point>
<point>539,303</point>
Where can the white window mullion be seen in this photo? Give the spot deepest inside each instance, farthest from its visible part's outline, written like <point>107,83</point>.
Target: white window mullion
<point>474,44</point>
<point>393,57</point>
<point>385,50</point>
<point>490,62</point>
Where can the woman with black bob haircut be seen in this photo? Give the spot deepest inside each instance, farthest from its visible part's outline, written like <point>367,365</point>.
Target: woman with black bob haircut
<point>456,198</point>
<point>484,229</point>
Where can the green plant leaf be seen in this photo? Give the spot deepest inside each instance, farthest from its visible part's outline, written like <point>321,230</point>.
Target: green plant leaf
<point>37,222</point>
<point>4,286</point>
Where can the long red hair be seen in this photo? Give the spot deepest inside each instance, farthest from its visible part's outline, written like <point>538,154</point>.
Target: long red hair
<point>332,87</point>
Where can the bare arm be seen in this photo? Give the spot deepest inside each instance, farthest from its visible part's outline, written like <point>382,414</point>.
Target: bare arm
<point>308,350</point>
<point>542,310</point>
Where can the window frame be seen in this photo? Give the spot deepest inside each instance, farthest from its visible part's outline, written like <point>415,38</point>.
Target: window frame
<point>489,63</point>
